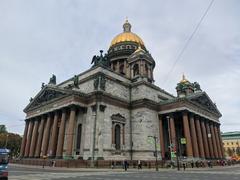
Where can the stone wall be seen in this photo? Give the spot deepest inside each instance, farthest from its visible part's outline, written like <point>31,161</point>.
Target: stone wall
<point>144,91</point>
<point>117,89</point>
<point>106,132</point>
<point>145,123</point>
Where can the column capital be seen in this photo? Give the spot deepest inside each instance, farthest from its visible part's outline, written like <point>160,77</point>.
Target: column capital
<point>197,117</point>
<point>185,112</point>
<point>160,116</point>
<point>191,115</point>
<point>63,110</point>
<point>202,118</point>
<point>73,107</point>
<point>57,112</point>
<point>169,115</point>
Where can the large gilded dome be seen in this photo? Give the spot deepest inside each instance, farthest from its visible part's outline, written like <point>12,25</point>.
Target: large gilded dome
<point>127,36</point>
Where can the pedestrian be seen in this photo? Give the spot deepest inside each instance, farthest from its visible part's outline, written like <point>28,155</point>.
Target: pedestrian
<point>53,163</point>
<point>139,164</point>
<point>112,165</point>
<point>209,164</point>
<point>192,164</point>
<point>125,165</point>
<point>184,166</point>
<point>197,164</point>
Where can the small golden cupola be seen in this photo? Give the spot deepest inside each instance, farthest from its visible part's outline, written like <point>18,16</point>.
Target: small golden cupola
<point>184,87</point>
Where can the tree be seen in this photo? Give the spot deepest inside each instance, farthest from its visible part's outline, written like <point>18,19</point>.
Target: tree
<point>11,141</point>
<point>3,128</point>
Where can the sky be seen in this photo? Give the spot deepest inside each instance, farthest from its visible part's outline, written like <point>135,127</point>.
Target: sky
<point>41,38</point>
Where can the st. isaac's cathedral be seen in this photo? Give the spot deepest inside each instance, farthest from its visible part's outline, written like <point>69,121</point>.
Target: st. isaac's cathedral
<point>114,111</point>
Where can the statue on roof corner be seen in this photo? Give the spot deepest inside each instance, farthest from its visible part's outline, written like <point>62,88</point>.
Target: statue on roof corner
<point>100,60</point>
<point>43,85</point>
<point>196,86</point>
<point>75,81</point>
<point>52,80</point>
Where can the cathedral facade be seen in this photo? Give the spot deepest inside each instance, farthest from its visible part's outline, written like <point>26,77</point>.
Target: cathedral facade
<point>113,111</point>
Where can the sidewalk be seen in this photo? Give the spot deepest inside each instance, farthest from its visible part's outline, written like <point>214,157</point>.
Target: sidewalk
<point>88,169</point>
<point>118,169</point>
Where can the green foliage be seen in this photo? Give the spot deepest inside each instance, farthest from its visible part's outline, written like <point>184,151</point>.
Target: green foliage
<point>3,128</point>
<point>11,141</point>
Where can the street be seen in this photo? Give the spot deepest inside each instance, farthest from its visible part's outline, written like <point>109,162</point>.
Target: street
<point>37,173</point>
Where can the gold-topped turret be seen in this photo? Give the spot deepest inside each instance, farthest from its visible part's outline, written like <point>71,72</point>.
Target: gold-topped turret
<point>184,80</point>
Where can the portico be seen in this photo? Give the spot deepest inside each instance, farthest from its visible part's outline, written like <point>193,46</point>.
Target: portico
<point>195,128</point>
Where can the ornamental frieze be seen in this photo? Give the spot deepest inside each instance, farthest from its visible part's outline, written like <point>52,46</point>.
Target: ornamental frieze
<point>204,102</point>
<point>45,96</point>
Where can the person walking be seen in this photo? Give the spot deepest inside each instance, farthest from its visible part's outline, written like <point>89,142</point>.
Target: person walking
<point>192,164</point>
<point>209,164</point>
<point>139,164</point>
<point>125,165</point>
<point>184,166</point>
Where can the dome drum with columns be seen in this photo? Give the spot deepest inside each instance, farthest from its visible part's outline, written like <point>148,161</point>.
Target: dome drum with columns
<point>111,111</point>
<point>128,55</point>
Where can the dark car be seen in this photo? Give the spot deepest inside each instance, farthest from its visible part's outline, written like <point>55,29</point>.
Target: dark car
<point>4,164</point>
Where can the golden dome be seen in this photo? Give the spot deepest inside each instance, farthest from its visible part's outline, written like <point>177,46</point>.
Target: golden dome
<point>127,35</point>
<point>184,80</point>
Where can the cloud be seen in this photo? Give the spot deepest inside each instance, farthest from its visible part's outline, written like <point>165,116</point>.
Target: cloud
<point>39,38</point>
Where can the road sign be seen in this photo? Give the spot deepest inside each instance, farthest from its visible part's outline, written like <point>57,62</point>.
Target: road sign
<point>173,154</point>
<point>171,145</point>
<point>183,141</point>
<point>150,140</point>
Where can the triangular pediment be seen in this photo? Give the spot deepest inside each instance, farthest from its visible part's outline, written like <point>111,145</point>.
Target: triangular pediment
<point>46,95</point>
<point>203,100</point>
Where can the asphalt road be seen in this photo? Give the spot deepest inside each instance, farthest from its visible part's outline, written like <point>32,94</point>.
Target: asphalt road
<point>28,173</point>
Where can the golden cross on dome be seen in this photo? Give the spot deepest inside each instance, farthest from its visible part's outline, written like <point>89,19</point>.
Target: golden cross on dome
<point>183,79</point>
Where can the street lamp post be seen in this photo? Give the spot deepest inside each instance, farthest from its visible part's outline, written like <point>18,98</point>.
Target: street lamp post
<point>155,143</point>
<point>169,137</point>
<point>178,154</point>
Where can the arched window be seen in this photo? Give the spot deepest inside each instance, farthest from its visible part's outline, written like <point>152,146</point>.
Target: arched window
<point>118,136</point>
<point>114,67</point>
<point>146,70</point>
<point>135,70</point>
<point>121,69</point>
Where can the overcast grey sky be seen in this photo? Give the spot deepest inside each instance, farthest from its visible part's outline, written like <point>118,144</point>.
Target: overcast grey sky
<point>38,38</point>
